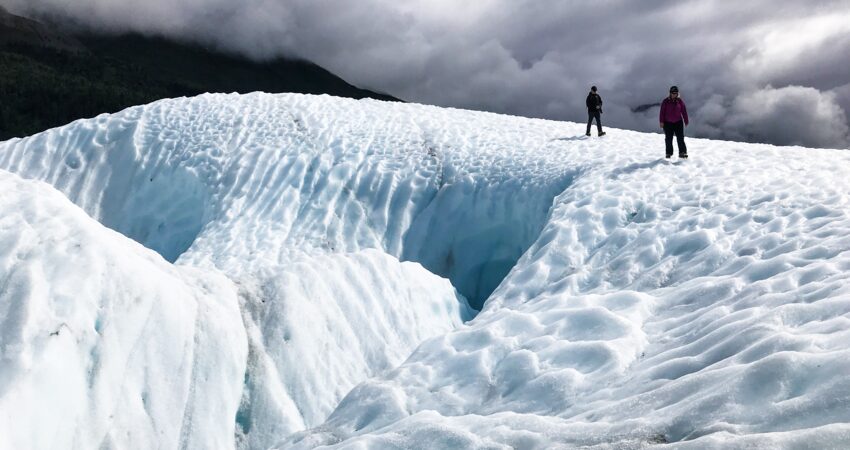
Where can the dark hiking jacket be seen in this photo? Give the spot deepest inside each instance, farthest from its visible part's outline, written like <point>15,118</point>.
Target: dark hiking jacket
<point>593,102</point>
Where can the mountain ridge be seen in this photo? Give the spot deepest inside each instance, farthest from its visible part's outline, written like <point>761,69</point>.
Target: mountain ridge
<point>52,75</point>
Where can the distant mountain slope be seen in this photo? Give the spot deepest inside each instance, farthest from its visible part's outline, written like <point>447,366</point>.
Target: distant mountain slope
<point>49,78</point>
<point>20,30</point>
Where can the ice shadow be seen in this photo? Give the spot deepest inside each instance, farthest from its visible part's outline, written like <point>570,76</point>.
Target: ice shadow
<point>580,137</point>
<point>631,168</point>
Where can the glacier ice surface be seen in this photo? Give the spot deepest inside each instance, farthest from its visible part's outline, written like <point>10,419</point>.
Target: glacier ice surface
<point>630,301</point>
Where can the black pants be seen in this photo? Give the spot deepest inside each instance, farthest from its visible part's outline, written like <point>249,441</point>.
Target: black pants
<point>677,128</point>
<point>594,115</point>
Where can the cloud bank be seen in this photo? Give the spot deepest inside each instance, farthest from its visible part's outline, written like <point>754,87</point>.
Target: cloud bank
<point>760,71</point>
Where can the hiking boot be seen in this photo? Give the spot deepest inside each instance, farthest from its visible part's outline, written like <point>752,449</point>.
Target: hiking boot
<point>668,156</point>
<point>683,155</point>
<point>602,133</point>
<point>587,134</point>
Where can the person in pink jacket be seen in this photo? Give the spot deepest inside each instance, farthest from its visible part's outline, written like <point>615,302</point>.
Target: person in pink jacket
<point>674,118</point>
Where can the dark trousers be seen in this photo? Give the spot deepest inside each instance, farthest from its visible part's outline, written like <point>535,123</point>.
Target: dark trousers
<point>678,129</point>
<point>594,115</point>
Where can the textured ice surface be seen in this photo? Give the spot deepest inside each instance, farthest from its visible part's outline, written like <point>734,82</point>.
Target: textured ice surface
<point>632,301</point>
<point>705,304</point>
<point>247,181</point>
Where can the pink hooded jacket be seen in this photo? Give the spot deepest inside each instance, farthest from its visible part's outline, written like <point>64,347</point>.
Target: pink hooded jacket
<point>673,110</point>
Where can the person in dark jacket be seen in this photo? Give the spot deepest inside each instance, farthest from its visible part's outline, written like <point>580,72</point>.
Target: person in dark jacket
<point>674,118</point>
<point>594,111</point>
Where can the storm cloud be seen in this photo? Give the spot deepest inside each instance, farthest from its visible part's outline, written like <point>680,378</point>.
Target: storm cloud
<point>759,71</point>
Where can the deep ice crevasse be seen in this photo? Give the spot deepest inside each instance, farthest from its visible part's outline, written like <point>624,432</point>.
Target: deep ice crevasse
<point>313,174</point>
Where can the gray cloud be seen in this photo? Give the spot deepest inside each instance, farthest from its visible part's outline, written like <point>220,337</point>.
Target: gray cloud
<point>792,115</point>
<point>762,70</point>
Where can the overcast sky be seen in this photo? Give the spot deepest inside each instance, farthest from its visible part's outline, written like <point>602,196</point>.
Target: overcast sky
<point>757,70</point>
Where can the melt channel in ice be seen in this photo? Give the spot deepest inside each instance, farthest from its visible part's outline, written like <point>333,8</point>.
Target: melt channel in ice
<point>630,301</point>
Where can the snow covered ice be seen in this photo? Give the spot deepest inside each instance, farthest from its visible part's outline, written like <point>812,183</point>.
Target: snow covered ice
<point>313,265</point>
<point>103,342</point>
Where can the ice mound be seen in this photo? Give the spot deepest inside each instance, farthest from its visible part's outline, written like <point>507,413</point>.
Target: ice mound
<point>104,344</point>
<point>630,301</point>
<point>327,322</point>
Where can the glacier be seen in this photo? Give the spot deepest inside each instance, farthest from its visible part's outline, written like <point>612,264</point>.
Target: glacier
<point>290,271</point>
